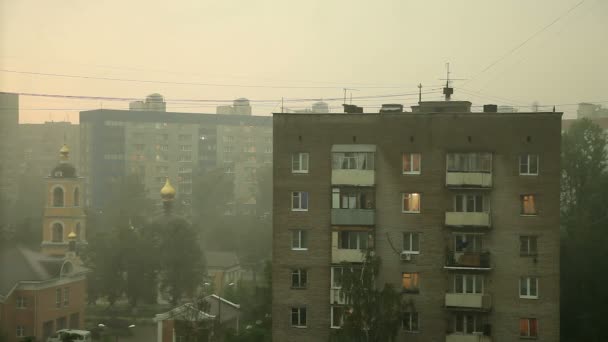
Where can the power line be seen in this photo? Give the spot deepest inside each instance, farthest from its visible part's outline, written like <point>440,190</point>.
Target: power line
<point>510,52</point>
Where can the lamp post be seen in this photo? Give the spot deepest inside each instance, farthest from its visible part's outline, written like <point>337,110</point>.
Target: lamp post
<point>219,304</point>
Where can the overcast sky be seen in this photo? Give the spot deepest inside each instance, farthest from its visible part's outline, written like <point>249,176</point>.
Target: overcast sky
<point>266,49</point>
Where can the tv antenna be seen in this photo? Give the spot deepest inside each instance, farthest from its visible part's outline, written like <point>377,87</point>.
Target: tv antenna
<point>351,94</point>
<point>448,90</point>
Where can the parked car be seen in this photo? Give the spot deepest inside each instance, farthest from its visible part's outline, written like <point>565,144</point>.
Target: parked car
<point>71,335</point>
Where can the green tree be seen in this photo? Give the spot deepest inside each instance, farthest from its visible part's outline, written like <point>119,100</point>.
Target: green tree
<point>371,314</point>
<point>584,223</point>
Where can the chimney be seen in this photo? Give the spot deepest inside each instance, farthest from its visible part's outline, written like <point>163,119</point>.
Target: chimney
<point>490,108</point>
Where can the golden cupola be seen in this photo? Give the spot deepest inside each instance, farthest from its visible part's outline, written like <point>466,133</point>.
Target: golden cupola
<point>167,193</point>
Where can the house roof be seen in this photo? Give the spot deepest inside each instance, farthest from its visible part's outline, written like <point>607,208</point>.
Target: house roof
<point>187,311</point>
<point>19,264</point>
<point>221,259</point>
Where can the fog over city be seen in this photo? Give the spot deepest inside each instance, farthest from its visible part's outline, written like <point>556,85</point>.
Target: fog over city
<point>255,171</point>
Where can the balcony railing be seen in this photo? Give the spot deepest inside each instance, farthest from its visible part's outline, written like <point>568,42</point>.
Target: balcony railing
<point>473,337</point>
<point>339,255</point>
<point>467,219</point>
<point>353,177</point>
<point>474,301</point>
<point>469,260</point>
<point>359,217</point>
<point>468,179</point>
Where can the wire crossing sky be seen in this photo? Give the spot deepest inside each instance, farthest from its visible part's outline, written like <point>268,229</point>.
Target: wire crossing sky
<point>509,52</point>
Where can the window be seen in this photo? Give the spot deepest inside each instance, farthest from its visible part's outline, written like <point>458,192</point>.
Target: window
<point>469,203</point>
<point>62,323</point>
<point>268,149</point>
<point>299,201</point>
<point>528,245</point>
<point>58,197</point>
<point>184,158</point>
<point>469,162</point>
<point>352,199</point>
<point>409,282</point>
<point>411,203</point>
<point>528,164</point>
<point>184,137</point>
<point>299,279</point>
<point>471,243</point>
<point>21,302</point>
<point>411,163</point>
<point>227,149</point>
<point>410,321</point>
<point>336,277</point>
<point>79,232</point>
<point>299,162</point>
<point>298,317</point>
<point>58,298</point>
<point>468,283</point>
<point>468,323</point>
<point>528,287</point>
<point>185,147</point>
<point>229,139</point>
<point>353,161</point>
<point>411,243</point>
<point>299,240</point>
<point>66,296</point>
<point>528,327</point>
<point>76,197</point>
<point>353,240</point>
<point>57,232</point>
<point>164,147</point>
<point>20,331</point>
<point>337,316</point>
<point>528,205</point>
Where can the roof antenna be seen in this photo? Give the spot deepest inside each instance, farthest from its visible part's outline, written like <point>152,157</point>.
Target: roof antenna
<point>447,90</point>
<point>419,93</point>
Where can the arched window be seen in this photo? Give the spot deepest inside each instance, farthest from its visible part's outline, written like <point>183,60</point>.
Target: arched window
<point>76,197</point>
<point>58,197</point>
<point>57,232</point>
<point>78,232</point>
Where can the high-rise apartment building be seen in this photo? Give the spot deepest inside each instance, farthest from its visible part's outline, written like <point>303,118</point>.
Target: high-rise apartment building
<point>9,126</point>
<point>461,207</point>
<point>156,145</point>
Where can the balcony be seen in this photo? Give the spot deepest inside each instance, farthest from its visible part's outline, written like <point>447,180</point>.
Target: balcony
<point>353,177</point>
<point>474,337</point>
<point>346,255</point>
<point>334,297</point>
<point>353,217</point>
<point>468,179</point>
<point>473,301</point>
<point>468,260</point>
<point>467,219</point>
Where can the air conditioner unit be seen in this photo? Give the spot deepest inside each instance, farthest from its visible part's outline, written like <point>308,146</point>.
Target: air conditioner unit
<point>405,256</point>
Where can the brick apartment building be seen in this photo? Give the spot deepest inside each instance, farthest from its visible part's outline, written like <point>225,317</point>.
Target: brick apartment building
<point>462,207</point>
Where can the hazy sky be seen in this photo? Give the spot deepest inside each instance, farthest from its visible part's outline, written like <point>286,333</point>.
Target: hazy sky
<point>265,49</point>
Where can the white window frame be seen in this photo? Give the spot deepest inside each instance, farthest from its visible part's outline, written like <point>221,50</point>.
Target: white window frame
<point>478,323</point>
<point>464,278</point>
<point>20,331</point>
<point>361,235</point>
<point>298,195</point>
<point>527,239</point>
<point>411,158</point>
<point>302,240</point>
<point>298,310</point>
<point>408,238</point>
<point>403,196</point>
<point>300,273</point>
<point>413,317</point>
<point>525,161</point>
<point>528,333</point>
<point>334,270</point>
<point>300,157</point>
<point>527,281</point>
<point>465,202</point>
<point>331,322</point>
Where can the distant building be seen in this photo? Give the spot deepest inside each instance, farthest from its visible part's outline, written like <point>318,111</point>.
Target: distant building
<point>9,139</point>
<point>591,111</point>
<point>462,208</point>
<point>223,268</point>
<point>153,103</point>
<point>239,106</point>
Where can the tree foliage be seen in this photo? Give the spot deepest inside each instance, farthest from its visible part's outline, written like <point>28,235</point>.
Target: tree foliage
<point>584,219</point>
<point>371,314</point>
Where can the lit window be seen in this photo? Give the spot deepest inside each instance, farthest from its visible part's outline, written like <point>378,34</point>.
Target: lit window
<point>299,240</point>
<point>299,201</point>
<point>298,317</point>
<point>411,163</point>
<point>410,282</point>
<point>299,278</point>
<point>411,203</point>
<point>528,245</point>
<point>411,243</point>
<point>299,162</point>
<point>337,316</point>
<point>528,327</point>
<point>528,205</point>
<point>410,321</point>
<point>528,164</point>
<point>528,287</point>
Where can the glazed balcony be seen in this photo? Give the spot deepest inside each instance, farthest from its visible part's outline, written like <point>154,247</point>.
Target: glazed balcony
<point>474,337</point>
<point>334,297</point>
<point>341,251</point>
<point>468,179</point>
<point>468,301</point>
<point>468,260</point>
<point>467,219</point>
<point>353,177</point>
<point>353,217</point>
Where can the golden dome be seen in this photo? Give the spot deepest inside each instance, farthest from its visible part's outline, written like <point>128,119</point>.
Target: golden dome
<point>72,235</point>
<point>167,193</point>
<point>64,149</point>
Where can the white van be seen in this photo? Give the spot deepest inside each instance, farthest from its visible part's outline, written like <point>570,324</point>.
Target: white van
<point>75,335</point>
